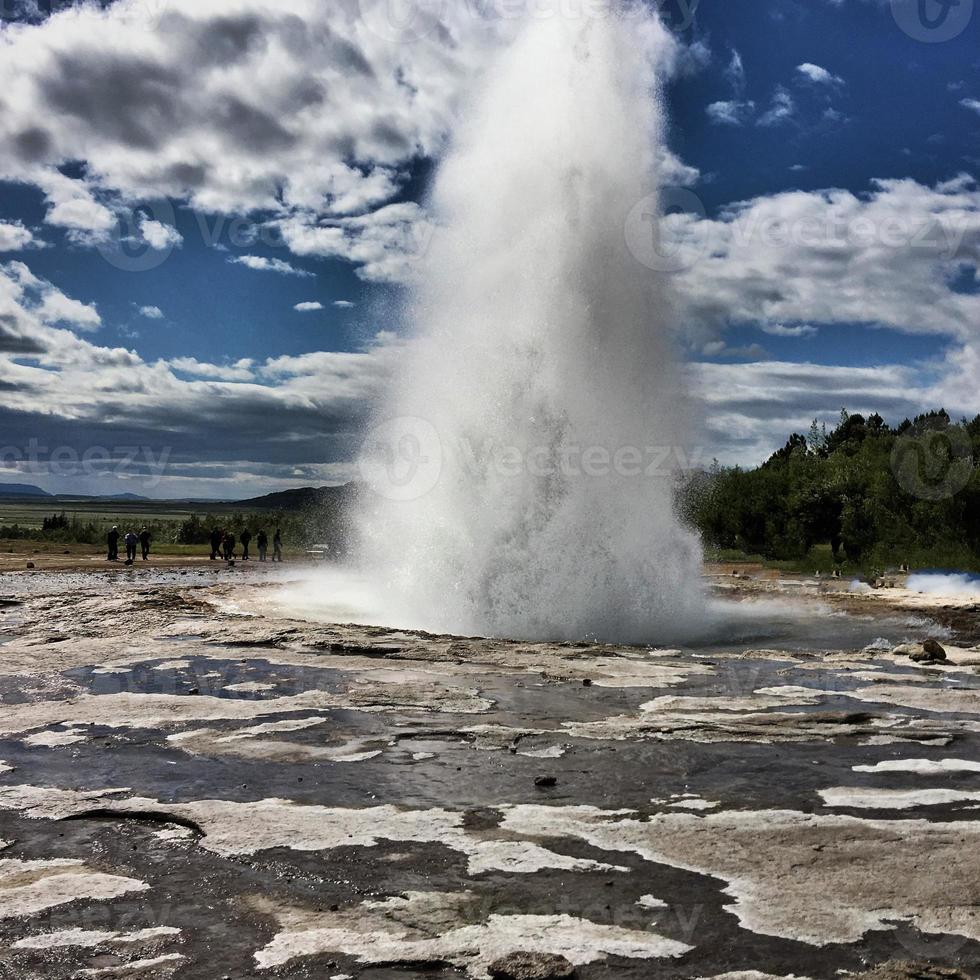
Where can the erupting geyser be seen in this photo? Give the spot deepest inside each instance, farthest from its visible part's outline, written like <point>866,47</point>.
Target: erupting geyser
<point>539,405</point>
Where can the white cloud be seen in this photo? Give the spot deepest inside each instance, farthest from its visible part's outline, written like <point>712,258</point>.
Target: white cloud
<point>56,307</point>
<point>298,418</point>
<point>730,113</point>
<point>159,236</point>
<point>261,264</point>
<point>735,72</point>
<point>30,309</point>
<point>343,304</point>
<point>819,75</point>
<point>971,104</point>
<point>386,244</point>
<point>214,424</point>
<point>782,109</point>
<point>71,203</point>
<point>241,370</point>
<point>301,111</point>
<point>751,409</point>
<point>151,312</point>
<point>308,307</point>
<point>796,330</point>
<point>14,237</point>
<point>675,173</point>
<point>720,348</point>
<point>884,258</point>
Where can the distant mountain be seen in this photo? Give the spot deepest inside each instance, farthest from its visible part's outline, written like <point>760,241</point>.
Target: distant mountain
<point>300,498</point>
<point>126,496</point>
<point>21,490</point>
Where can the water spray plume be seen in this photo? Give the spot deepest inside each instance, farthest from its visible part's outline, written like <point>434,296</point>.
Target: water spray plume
<point>538,407</point>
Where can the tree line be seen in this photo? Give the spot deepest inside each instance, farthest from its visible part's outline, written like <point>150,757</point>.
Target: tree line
<point>865,494</point>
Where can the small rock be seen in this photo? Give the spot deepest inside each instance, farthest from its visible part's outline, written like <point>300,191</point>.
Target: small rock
<point>531,966</point>
<point>544,782</point>
<point>929,652</point>
<point>587,682</point>
<point>194,690</point>
<point>31,564</point>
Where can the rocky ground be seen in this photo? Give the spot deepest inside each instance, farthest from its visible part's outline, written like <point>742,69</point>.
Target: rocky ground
<point>194,785</point>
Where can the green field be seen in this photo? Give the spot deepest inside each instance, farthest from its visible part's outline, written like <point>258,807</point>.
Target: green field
<point>104,513</point>
<point>178,527</point>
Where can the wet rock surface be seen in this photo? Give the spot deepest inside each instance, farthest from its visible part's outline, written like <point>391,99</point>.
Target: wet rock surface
<point>531,966</point>
<point>195,785</point>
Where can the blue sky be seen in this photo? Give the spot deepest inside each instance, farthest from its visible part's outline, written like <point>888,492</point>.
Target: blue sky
<point>276,156</point>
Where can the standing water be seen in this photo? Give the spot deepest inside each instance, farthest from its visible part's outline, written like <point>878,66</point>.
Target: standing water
<point>538,408</point>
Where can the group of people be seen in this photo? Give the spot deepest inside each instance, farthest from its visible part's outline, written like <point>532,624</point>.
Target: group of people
<point>132,540</point>
<point>224,543</point>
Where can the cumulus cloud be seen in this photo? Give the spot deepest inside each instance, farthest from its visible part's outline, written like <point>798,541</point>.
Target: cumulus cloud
<point>151,312</point>
<point>240,370</point>
<point>14,237</point>
<point>214,424</point>
<point>308,307</point>
<point>385,244</point>
<point>735,72</point>
<point>781,330</point>
<point>56,307</point>
<point>311,114</point>
<point>343,304</point>
<point>261,264</point>
<point>300,418</point>
<point>972,104</point>
<point>72,204</point>
<point>889,257</point>
<point>818,75</point>
<point>751,409</point>
<point>783,107</point>
<point>29,306</point>
<point>731,113</point>
<point>306,117</point>
<point>675,173</point>
<point>781,110</point>
<point>301,109</point>
<point>159,236</point>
